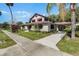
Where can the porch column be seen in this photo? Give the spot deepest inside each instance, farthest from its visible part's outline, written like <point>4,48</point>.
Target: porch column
<point>57,28</point>
<point>37,27</point>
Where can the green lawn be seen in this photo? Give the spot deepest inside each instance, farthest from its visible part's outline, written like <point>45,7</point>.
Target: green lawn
<point>70,46</point>
<point>77,33</point>
<point>34,35</point>
<point>5,41</point>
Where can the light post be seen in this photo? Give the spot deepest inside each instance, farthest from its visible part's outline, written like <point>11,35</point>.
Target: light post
<point>73,20</point>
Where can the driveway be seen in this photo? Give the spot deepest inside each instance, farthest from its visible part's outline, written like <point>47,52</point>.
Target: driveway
<point>27,47</point>
<point>51,40</point>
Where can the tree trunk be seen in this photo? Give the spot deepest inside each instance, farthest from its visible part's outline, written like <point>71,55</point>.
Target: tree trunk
<point>11,15</point>
<point>73,26</point>
<point>11,18</point>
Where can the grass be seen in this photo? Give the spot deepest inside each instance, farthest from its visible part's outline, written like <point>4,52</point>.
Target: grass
<point>6,41</point>
<point>70,46</point>
<point>77,33</point>
<point>34,35</point>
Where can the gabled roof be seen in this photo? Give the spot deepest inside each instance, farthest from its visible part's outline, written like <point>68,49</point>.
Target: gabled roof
<point>38,15</point>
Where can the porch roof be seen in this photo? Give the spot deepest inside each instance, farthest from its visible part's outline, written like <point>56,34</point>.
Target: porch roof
<point>45,22</point>
<point>35,23</point>
<point>56,23</point>
<point>62,23</point>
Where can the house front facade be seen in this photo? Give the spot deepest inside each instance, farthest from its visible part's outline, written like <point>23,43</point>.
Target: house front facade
<point>40,23</point>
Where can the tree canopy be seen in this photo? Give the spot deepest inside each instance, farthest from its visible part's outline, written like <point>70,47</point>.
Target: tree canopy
<point>9,4</point>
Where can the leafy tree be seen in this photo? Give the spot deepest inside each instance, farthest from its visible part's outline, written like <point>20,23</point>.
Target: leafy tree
<point>19,23</point>
<point>77,13</point>
<point>68,15</point>
<point>0,25</point>
<point>54,18</point>
<point>26,22</point>
<point>5,25</point>
<point>0,15</point>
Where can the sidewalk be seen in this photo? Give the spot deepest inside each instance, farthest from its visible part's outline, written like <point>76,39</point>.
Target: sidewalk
<point>25,43</point>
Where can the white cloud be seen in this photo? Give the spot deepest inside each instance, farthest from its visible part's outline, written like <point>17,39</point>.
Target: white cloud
<point>21,12</point>
<point>4,12</point>
<point>22,15</point>
<point>19,15</point>
<point>44,14</point>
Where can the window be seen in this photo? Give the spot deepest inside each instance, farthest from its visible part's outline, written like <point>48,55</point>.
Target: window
<point>33,20</point>
<point>52,26</point>
<point>29,26</point>
<point>40,19</point>
<point>46,19</point>
<point>40,26</point>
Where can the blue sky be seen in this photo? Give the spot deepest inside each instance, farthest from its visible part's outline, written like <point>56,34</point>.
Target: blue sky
<point>23,11</point>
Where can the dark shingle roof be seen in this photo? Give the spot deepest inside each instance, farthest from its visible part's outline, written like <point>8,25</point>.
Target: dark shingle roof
<point>46,18</point>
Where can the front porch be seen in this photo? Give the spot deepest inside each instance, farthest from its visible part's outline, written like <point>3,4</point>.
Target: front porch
<point>46,26</point>
<point>41,26</point>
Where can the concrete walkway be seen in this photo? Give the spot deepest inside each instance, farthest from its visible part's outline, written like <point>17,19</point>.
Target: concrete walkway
<point>27,47</point>
<point>2,51</point>
<point>14,50</point>
<point>51,40</point>
<point>25,43</point>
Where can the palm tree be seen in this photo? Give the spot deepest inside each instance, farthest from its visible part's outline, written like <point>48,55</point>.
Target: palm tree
<point>0,13</point>
<point>9,6</point>
<point>73,20</point>
<point>49,7</point>
<point>62,12</point>
<point>61,7</point>
<point>62,17</point>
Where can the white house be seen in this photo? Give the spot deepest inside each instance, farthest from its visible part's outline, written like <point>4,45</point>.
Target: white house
<point>41,23</point>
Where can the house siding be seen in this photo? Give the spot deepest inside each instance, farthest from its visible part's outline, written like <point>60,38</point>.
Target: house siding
<point>35,20</point>
<point>46,28</point>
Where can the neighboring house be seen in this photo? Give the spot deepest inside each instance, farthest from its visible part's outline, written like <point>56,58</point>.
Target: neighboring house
<point>41,23</point>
